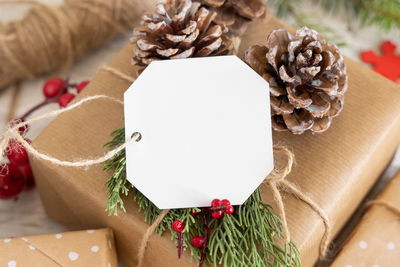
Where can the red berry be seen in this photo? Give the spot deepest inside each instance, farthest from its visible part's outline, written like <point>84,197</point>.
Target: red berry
<point>216,203</point>
<point>22,172</point>
<point>9,186</point>
<point>82,85</point>
<point>65,99</point>
<point>16,153</point>
<point>177,226</point>
<point>194,213</point>
<point>14,170</point>
<point>53,87</point>
<point>217,214</point>
<point>225,202</point>
<point>198,241</point>
<point>22,129</point>
<point>229,210</point>
<point>25,171</point>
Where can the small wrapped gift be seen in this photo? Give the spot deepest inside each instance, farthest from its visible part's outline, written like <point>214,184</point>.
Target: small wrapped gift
<point>81,248</point>
<point>334,169</point>
<point>376,240</point>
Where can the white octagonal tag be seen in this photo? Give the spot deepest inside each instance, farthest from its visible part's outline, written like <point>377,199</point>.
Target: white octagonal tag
<point>205,131</point>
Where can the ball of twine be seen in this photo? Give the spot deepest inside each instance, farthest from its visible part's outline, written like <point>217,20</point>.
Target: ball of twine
<point>53,37</point>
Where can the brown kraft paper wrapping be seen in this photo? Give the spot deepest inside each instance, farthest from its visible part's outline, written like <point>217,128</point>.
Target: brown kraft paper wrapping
<point>81,248</point>
<point>376,240</point>
<point>335,169</point>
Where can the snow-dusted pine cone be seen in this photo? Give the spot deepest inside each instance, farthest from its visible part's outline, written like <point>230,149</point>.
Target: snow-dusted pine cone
<point>237,13</point>
<point>307,78</point>
<point>179,29</point>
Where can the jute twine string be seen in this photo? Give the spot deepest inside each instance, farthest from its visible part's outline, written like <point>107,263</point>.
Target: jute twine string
<point>385,204</point>
<point>146,237</point>
<point>118,73</point>
<point>13,133</point>
<point>53,37</point>
<point>276,181</point>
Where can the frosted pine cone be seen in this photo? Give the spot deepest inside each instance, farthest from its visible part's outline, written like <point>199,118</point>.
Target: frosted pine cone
<point>179,29</point>
<point>307,79</point>
<point>237,13</point>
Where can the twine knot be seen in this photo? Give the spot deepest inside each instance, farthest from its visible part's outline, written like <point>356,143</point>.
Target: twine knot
<point>276,179</point>
<point>279,175</point>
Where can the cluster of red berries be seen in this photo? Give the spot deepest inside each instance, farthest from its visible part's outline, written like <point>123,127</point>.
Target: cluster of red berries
<point>16,175</point>
<point>57,88</point>
<point>218,209</point>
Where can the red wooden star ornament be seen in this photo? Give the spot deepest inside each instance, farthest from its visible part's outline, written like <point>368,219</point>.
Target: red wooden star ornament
<point>387,64</point>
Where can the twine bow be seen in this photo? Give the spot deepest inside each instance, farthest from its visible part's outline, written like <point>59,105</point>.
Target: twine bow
<point>276,181</point>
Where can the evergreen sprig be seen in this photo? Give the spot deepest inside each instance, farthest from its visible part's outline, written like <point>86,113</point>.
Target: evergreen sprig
<point>302,18</point>
<point>117,185</point>
<point>383,13</point>
<point>251,236</point>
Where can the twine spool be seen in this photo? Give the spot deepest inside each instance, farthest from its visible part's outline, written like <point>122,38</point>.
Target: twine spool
<point>53,37</point>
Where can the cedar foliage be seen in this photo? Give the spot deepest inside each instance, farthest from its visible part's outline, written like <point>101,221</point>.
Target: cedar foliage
<point>252,236</point>
<point>383,13</point>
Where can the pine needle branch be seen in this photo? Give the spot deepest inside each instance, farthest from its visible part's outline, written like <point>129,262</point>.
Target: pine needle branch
<point>250,237</point>
<point>117,185</point>
<point>303,19</point>
<point>292,8</point>
<point>383,13</point>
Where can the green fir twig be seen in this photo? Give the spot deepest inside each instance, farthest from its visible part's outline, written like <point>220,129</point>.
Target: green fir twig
<point>383,13</point>
<point>250,237</point>
<point>117,185</point>
<point>302,18</point>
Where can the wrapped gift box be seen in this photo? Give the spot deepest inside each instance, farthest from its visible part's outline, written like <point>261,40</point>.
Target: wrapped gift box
<point>335,168</point>
<point>376,240</point>
<point>81,248</point>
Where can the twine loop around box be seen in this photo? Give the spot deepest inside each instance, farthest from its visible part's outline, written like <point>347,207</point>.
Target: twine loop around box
<point>276,180</point>
<point>385,204</point>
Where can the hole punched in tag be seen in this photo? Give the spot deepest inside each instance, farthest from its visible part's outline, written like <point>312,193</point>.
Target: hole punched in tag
<point>136,136</point>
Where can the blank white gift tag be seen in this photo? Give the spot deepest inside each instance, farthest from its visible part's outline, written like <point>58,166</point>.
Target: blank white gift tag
<point>205,131</point>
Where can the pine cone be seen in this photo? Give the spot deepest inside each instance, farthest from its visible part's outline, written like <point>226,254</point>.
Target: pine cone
<point>237,13</point>
<point>307,79</point>
<point>179,29</point>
